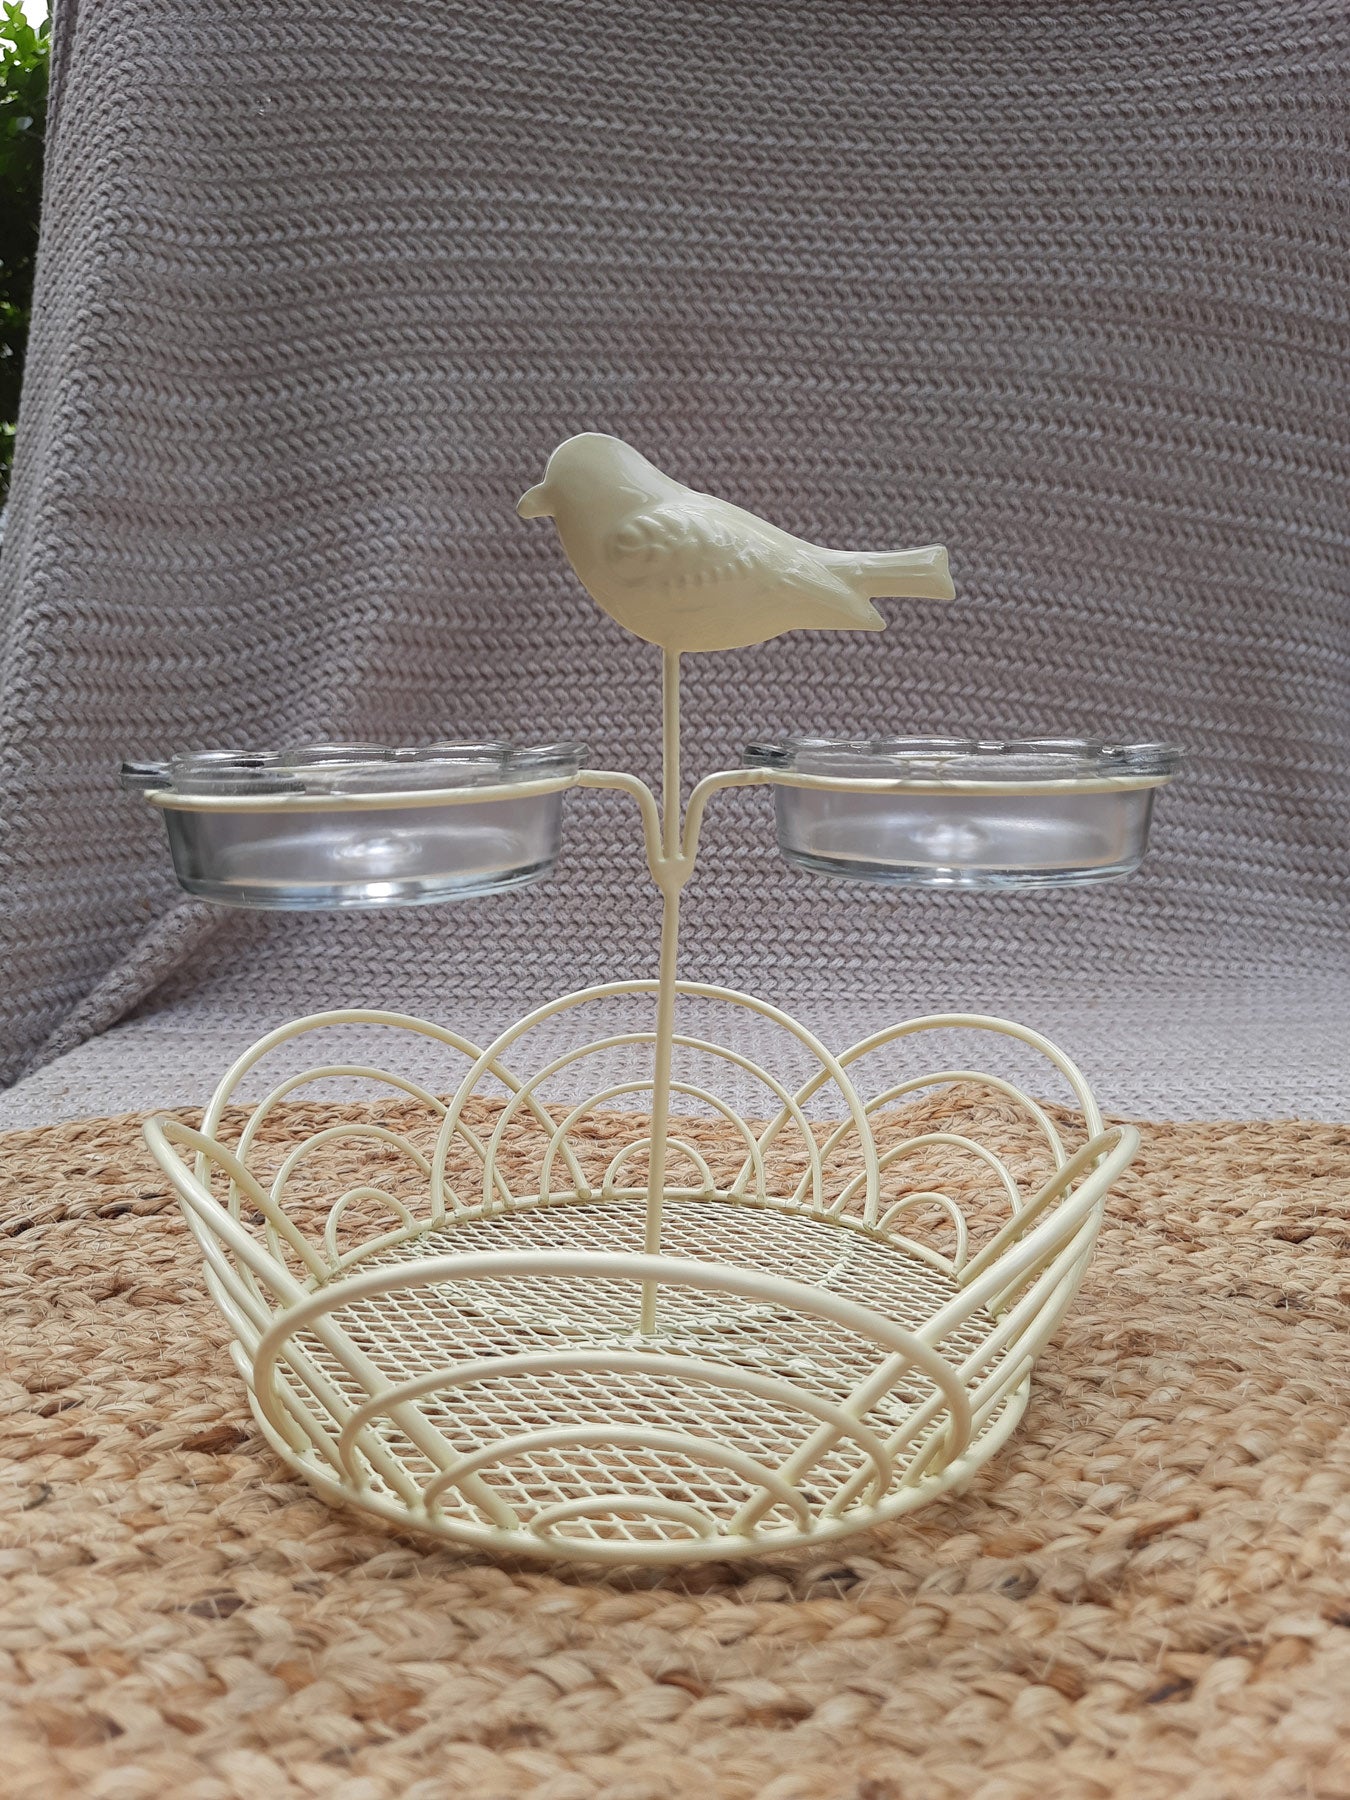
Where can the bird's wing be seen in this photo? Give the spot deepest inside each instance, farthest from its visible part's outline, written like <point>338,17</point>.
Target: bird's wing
<point>694,546</point>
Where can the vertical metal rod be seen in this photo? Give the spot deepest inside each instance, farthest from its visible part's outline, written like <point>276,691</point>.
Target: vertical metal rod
<point>663,1049</point>
<point>670,752</point>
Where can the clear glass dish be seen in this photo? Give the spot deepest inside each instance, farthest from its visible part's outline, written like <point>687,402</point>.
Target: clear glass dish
<point>965,813</point>
<point>333,826</point>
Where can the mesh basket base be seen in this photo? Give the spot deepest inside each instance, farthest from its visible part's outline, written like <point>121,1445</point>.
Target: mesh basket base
<point>649,1464</point>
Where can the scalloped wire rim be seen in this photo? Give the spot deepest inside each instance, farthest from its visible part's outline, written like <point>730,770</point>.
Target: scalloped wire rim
<point>760,1414</point>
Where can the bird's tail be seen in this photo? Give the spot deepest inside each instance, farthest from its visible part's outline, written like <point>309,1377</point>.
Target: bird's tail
<point>897,574</point>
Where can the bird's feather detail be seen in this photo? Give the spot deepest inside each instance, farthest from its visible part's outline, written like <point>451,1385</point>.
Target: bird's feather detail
<point>682,546</point>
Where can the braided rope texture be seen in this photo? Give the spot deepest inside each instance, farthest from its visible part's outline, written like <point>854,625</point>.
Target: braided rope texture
<point>1061,285</point>
<point>1139,1598</point>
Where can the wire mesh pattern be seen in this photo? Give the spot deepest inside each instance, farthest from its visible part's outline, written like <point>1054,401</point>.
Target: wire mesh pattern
<point>458,1320</point>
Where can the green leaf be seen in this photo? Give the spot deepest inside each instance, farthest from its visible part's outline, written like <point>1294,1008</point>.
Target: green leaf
<point>24,58</point>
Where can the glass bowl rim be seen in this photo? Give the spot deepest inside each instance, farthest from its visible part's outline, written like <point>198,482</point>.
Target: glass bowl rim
<point>289,772</point>
<point>951,759</point>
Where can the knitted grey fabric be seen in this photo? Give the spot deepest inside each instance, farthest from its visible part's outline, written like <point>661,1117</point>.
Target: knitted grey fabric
<point>1061,285</point>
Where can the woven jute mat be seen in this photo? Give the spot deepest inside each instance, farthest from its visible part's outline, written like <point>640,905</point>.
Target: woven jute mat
<point>1146,1594</point>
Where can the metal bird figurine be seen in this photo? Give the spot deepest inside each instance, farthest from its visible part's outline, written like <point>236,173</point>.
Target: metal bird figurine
<point>690,572</point>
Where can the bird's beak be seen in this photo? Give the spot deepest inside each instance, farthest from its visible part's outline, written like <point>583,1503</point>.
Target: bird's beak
<point>534,505</point>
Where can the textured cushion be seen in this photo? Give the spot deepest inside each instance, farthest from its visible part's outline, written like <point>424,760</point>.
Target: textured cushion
<point>1063,287</point>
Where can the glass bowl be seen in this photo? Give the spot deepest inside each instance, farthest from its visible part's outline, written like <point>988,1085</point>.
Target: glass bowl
<point>964,813</point>
<point>327,826</point>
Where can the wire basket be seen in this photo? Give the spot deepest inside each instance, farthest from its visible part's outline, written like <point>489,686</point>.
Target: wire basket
<point>482,1347</point>
<point>472,1322</point>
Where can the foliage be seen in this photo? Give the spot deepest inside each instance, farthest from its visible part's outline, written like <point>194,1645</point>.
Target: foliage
<point>24,53</point>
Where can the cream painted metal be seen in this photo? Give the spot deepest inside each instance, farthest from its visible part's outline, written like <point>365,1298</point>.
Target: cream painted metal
<point>630,1355</point>
<point>688,571</point>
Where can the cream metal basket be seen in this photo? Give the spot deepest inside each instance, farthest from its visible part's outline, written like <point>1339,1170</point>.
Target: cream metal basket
<point>760,1362</point>
<point>555,1329</point>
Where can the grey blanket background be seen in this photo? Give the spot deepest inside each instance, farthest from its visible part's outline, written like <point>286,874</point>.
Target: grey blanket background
<point>1063,285</point>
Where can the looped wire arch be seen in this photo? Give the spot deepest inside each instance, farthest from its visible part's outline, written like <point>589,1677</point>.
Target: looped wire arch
<point>896,1154</point>
<point>831,1071</point>
<point>488,1065</point>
